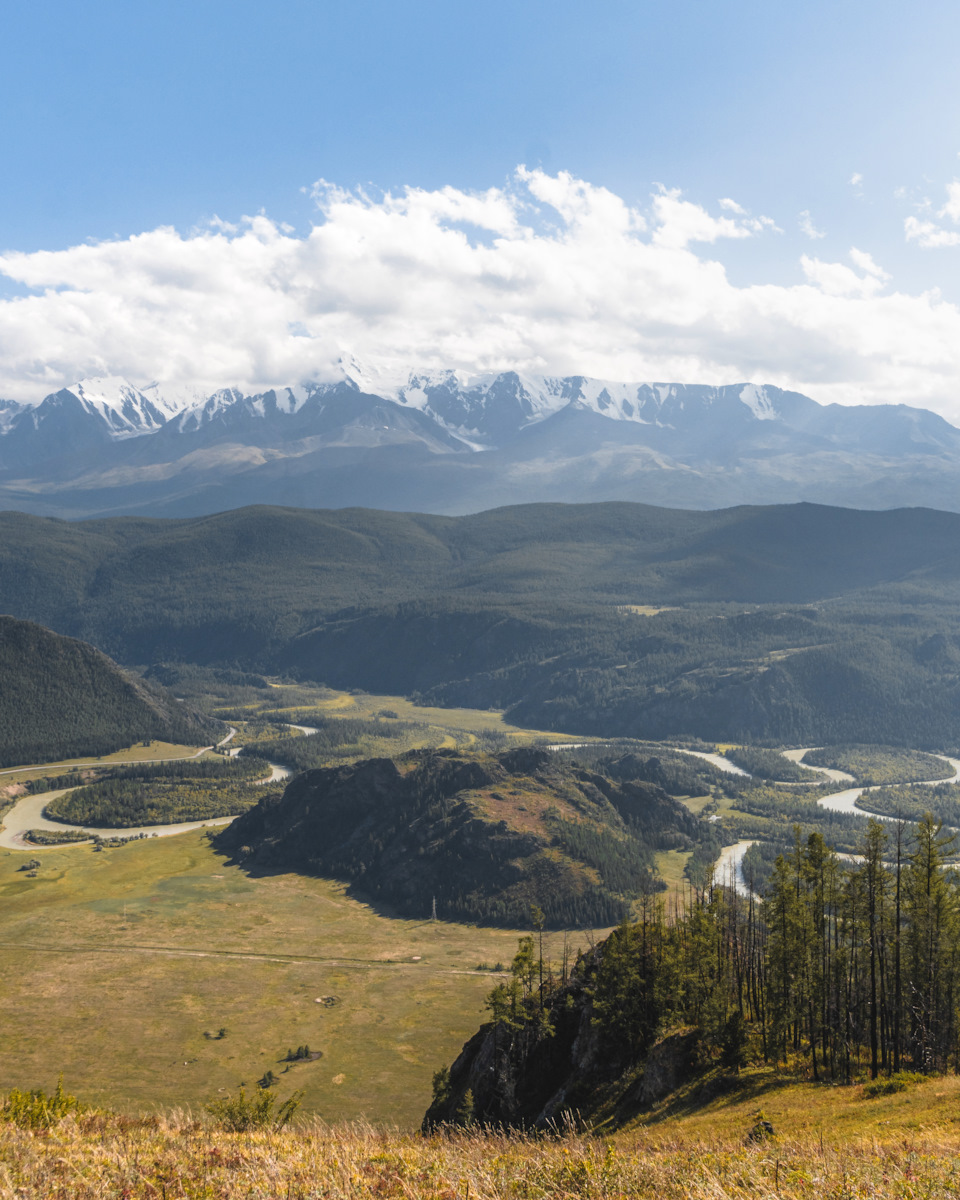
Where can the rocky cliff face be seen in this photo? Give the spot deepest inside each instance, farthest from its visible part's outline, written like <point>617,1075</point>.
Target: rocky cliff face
<point>559,1070</point>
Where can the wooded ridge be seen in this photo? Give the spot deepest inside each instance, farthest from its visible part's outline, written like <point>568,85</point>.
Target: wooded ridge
<point>61,698</point>
<point>481,837</point>
<point>845,969</point>
<point>788,625</point>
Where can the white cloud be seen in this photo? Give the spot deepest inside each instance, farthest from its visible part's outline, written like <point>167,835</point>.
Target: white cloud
<point>927,233</point>
<point>679,222</point>
<point>952,207</point>
<point>548,274</point>
<point>836,279</point>
<point>807,226</point>
<point>732,206</point>
<point>865,262</point>
<point>856,179</point>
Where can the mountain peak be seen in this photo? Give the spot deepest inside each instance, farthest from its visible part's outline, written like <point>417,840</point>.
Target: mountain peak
<point>444,441</point>
<point>125,410</point>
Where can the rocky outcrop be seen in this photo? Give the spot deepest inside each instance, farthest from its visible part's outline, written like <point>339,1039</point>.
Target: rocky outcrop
<point>482,836</point>
<point>560,1070</point>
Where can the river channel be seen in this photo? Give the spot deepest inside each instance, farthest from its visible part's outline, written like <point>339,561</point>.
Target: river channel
<point>729,866</point>
<point>27,813</point>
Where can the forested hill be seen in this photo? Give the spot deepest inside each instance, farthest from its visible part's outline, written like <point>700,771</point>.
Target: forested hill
<point>61,698</point>
<point>240,584</point>
<point>849,964</point>
<point>793,623</point>
<point>484,837</point>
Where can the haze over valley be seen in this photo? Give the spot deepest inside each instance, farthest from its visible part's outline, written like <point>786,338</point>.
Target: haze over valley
<point>479,563</point>
<point>448,442</point>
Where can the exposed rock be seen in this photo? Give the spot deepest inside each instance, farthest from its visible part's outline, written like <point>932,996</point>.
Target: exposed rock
<point>530,1077</point>
<point>668,1064</point>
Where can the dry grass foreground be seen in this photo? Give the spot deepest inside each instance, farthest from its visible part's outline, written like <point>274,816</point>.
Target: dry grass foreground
<point>99,1158</point>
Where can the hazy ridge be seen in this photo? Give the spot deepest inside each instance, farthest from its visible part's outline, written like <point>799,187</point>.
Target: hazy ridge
<point>440,442</point>
<point>791,623</point>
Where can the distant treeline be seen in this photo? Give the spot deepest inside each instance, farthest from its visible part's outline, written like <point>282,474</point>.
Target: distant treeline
<point>52,783</point>
<point>872,765</point>
<point>337,737</point>
<point>164,794</point>
<point>911,803</point>
<point>768,764</point>
<point>765,637</point>
<point>678,774</point>
<point>56,837</point>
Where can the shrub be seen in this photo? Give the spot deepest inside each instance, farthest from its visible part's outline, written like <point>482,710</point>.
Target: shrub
<point>464,1112</point>
<point>441,1086</point>
<point>37,1110</point>
<point>888,1087</point>
<point>240,1114</point>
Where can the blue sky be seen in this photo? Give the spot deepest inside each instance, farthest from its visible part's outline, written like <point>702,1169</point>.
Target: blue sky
<point>120,119</point>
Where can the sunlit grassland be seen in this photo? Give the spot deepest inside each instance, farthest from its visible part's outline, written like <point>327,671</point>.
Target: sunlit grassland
<point>136,753</point>
<point>670,864</point>
<point>840,1114</point>
<point>456,723</point>
<point>117,962</point>
<point>908,1152</point>
<point>697,804</point>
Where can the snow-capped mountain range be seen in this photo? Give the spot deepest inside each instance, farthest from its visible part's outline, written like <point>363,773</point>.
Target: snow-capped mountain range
<point>446,442</point>
<point>475,411</point>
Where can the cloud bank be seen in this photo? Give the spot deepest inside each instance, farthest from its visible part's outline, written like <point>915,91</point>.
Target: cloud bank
<point>548,274</point>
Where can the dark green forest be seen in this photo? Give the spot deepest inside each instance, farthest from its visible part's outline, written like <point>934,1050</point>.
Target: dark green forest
<point>845,969</point>
<point>678,774</point>
<point>912,803</point>
<point>483,836</point>
<point>164,794</point>
<point>61,698</point>
<point>783,625</point>
<point>770,764</point>
<point>760,808</point>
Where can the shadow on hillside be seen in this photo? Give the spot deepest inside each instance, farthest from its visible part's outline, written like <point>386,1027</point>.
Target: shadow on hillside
<point>706,1091</point>
<point>378,907</point>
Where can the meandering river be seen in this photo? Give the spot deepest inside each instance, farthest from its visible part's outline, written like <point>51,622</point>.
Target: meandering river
<point>27,813</point>
<point>729,866</point>
<point>846,801</point>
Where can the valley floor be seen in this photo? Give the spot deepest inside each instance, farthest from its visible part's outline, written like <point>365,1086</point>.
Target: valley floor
<point>117,963</point>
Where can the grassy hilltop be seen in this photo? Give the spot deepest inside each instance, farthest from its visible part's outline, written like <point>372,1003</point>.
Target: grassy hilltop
<point>837,1147</point>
